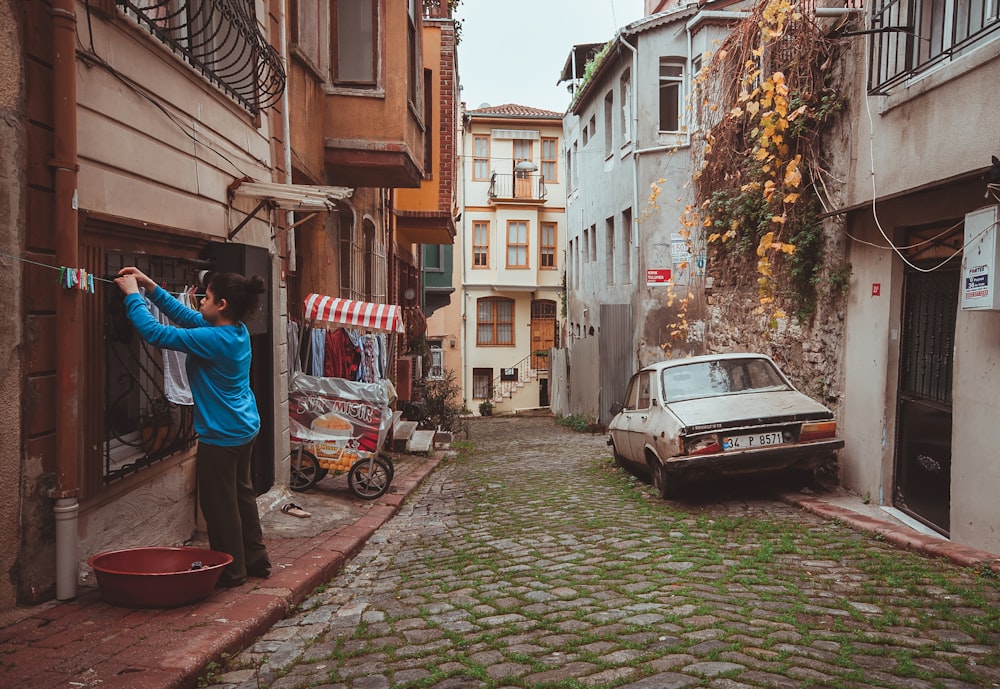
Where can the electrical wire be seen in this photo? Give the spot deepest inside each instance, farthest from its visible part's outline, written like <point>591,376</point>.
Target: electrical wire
<point>892,246</point>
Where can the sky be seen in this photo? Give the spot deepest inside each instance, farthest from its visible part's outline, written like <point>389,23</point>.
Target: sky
<point>513,51</point>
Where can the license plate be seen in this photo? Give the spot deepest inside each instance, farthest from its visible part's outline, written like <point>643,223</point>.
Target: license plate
<point>752,441</point>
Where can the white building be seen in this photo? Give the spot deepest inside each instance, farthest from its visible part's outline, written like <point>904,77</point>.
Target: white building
<point>509,255</point>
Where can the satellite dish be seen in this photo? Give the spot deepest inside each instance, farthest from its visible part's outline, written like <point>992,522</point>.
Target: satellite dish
<point>483,105</point>
<point>409,293</point>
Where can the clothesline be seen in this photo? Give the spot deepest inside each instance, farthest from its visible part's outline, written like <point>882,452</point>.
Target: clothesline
<point>62,270</point>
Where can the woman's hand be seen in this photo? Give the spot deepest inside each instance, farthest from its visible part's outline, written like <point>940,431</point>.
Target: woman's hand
<point>127,284</point>
<point>138,279</point>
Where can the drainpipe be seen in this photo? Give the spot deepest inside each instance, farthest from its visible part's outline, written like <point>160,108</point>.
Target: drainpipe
<point>635,139</point>
<point>65,169</point>
<point>286,128</point>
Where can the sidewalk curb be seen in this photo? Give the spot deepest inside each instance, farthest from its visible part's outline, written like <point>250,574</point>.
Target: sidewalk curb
<point>901,537</point>
<point>86,643</point>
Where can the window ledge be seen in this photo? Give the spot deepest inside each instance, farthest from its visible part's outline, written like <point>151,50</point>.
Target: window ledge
<point>377,92</point>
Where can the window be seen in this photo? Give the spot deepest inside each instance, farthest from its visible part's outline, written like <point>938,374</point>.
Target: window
<point>586,245</point>
<point>355,26</point>
<point>547,246</point>
<point>593,242</point>
<point>308,30</point>
<point>433,258</point>
<point>571,265</point>
<point>517,243</point>
<point>937,31</point>
<point>480,244</point>
<point>348,250</point>
<point>522,150</point>
<point>699,96</point>
<point>495,321</point>
<point>482,383</point>
<point>550,159</point>
<point>435,368</point>
<point>609,243</point>
<point>609,118</point>
<point>671,92</point>
<point>625,93</point>
<point>480,157</point>
<point>626,252</point>
<point>413,52</point>
<point>369,263</point>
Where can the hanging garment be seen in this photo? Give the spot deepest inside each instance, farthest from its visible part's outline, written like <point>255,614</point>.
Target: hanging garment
<point>176,387</point>
<point>292,336</point>
<point>318,351</point>
<point>369,359</point>
<point>356,340</point>
<point>343,357</point>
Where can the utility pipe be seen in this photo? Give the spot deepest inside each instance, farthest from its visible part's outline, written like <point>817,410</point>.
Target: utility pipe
<point>286,128</point>
<point>65,169</point>
<point>635,138</point>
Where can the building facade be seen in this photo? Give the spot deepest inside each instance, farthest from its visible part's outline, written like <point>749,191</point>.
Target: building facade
<point>140,123</point>
<point>920,354</point>
<point>507,258</point>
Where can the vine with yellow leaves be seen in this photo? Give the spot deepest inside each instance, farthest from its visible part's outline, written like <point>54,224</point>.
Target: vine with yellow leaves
<point>761,186</point>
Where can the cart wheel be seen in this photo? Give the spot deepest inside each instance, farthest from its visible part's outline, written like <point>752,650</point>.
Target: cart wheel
<point>369,478</point>
<point>321,474</point>
<point>304,471</point>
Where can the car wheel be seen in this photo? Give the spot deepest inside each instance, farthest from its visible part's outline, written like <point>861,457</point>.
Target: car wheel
<point>662,482</point>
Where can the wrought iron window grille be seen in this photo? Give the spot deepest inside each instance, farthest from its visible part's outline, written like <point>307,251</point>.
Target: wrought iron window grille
<point>141,427</point>
<point>220,39</point>
<point>912,36</point>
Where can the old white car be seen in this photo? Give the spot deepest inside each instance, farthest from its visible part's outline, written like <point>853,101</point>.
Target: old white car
<point>719,415</point>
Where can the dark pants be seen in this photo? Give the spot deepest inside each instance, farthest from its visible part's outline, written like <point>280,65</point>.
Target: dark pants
<point>227,499</point>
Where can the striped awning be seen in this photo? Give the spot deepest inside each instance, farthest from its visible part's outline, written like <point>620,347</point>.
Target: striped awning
<point>347,313</point>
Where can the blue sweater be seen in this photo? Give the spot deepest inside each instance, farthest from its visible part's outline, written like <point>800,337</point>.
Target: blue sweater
<point>218,366</point>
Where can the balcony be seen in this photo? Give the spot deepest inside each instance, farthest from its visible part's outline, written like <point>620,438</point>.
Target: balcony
<point>522,186</point>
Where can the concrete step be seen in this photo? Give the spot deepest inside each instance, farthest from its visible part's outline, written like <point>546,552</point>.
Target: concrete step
<point>402,433</point>
<point>420,442</point>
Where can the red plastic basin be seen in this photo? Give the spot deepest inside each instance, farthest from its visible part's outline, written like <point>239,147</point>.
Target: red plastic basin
<point>157,577</point>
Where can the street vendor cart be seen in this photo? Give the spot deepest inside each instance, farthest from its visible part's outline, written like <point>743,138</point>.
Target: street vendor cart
<point>337,424</point>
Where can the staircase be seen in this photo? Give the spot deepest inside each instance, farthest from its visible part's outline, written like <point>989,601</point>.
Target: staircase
<point>513,379</point>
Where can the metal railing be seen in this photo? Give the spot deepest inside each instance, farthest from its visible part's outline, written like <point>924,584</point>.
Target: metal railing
<point>510,379</point>
<point>221,40</point>
<point>519,185</point>
<point>909,36</point>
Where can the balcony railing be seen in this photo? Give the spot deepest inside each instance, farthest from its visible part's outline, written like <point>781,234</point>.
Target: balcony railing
<point>910,36</point>
<point>518,185</point>
<point>220,39</point>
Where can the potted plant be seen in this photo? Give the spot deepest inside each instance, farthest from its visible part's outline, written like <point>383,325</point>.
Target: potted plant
<point>486,408</point>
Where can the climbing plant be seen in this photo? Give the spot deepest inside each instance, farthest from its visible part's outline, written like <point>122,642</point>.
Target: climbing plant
<point>760,186</point>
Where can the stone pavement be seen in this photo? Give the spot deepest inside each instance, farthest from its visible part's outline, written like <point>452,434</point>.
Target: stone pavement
<point>536,563</point>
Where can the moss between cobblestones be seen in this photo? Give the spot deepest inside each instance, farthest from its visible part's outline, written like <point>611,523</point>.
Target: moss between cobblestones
<point>543,576</point>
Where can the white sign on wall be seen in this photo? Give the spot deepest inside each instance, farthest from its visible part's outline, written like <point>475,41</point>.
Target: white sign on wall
<point>980,261</point>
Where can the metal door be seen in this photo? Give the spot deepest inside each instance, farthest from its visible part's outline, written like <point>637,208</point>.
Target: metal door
<point>923,447</point>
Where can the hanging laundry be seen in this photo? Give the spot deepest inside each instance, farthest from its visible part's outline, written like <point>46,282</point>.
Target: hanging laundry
<point>292,335</point>
<point>342,356</point>
<point>176,387</point>
<point>318,351</point>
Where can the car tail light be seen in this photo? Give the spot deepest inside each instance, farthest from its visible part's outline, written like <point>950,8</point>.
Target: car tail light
<point>703,446</point>
<point>818,430</point>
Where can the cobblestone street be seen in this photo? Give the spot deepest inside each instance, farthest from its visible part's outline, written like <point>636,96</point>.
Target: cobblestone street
<point>532,562</point>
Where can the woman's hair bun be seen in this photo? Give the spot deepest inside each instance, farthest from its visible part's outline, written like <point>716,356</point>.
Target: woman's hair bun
<point>256,284</point>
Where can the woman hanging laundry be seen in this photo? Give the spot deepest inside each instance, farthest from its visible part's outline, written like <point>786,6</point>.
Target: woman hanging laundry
<point>225,411</point>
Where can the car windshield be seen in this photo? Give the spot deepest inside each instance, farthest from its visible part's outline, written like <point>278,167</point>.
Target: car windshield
<point>722,377</point>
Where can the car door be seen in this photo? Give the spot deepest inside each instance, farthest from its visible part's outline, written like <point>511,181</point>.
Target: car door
<point>619,424</point>
<point>637,416</point>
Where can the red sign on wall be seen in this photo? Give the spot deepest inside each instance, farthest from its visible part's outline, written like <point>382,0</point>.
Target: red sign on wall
<point>657,276</point>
